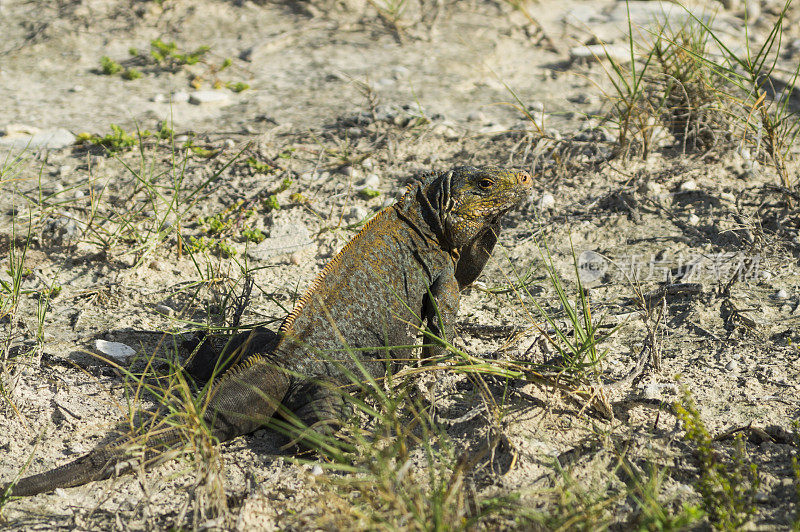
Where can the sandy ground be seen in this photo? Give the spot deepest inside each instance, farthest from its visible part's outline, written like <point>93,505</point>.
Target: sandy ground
<point>340,99</point>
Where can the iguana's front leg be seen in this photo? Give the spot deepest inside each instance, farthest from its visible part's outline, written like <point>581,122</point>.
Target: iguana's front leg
<point>439,309</point>
<point>474,256</point>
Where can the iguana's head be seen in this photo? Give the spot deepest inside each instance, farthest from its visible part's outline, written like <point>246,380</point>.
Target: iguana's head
<point>478,198</point>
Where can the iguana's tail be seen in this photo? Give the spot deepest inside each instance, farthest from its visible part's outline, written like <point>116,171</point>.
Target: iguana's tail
<point>243,400</point>
<point>99,464</point>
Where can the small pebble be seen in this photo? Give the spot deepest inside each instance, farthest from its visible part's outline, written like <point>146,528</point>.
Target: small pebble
<point>694,219</point>
<point>159,98</point>
<point>229,143</point>
<point>356,213</point>
<point>732,366</point>
<point>355,132</point>
<point>77,88</point>
<point>765,275</point>
<point>652,391</point>
<point>654,189</point>
<point>781,294</point>
<point>209,97</point>
<point>316,470</point>
<point>163,309</point>
<point>476,116</point>
<point>115,350</point>
<point>180,97</point>
<point>688,185</point>
<point>547,202</point>
<point>727,196</point>
<point>371,181</point>
<point>349,171</point>
<point>79,194</point>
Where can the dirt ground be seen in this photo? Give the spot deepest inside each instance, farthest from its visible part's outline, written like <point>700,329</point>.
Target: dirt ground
<point>344,102</point>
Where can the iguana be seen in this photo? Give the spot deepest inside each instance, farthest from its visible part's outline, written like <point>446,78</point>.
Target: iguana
<point>405,268</point>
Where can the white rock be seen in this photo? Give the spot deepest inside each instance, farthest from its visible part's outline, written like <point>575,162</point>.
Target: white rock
<point>652,391</point>
<point>781,294</point>
<point>654,189</point>
<point>229,143</point>
<point>727,196</point>
<point>688,185</point>
<point>20,136</point>
<point>446,131</point>
<point>371,181</point>
<point>732,366</point>
<point>317,470</point>
<point>765,275</point>
<point>476,116</point>
<point>115,350</point>
<point>356,214</point>
<point>208,97</point>
<point>694,219</point>
<point>159,98</point>
<point>384,82</point>
<point>493,129</point>
<point>180,97</point>
<point>285,238</point>
<point>547,202</point>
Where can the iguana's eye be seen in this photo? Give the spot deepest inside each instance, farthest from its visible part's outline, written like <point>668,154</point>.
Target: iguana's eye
<point>485,183</point>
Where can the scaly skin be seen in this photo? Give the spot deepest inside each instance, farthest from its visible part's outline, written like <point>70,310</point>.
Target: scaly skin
<point>404,269</point>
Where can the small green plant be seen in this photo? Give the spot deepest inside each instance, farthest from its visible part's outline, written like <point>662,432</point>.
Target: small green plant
<point>253,235</point>
<point>271,203</point>
<point>120,140</point>
<point>766,121</point>
<point>225,250</point>
<point>368,193</point>
<point>632,111</point>
<point>199,151</point>
<point>198,245</point>
<point>131,74</point>
<point>728,490</point>
<point>215,225</point>
<point>258,166</point>
<point>168,54</point>
<point>237,86</point>
<point>109,66</point>
<point>285,184</point>
<point>645,488</point>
